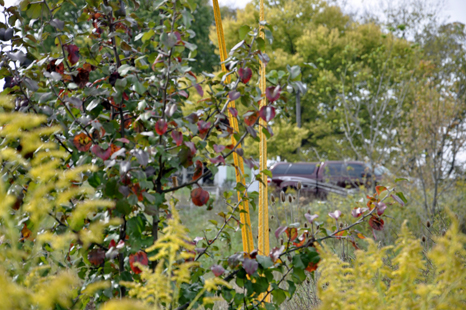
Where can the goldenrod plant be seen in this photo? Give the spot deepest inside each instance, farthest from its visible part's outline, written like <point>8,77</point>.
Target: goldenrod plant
<point>399,276</point>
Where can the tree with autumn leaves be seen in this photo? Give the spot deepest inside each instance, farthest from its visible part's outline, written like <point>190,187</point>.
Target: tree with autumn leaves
<point>94,135</point>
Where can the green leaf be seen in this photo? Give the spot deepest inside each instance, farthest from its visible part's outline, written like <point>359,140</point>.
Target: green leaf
<point>402,197</point>
<point>264,261</point>
<point>268,35</point>
<point>34,11</point>
<point>297,262</point>
<point>267,173</point>
<point>213,222</point>
<point>401,179</point>
<point>243,31</point>
<point>148,35</point>
<point>291,287</point>
<point>260,44</point>
<point>279,296</point>
<point>123,207</point>
<point>140,89</point>
<point>95,180</point>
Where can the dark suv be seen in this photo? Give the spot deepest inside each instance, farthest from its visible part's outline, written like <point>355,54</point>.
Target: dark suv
<point>321,178</point>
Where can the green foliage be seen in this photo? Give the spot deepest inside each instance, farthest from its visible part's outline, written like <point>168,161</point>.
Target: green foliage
<point>408,280</point>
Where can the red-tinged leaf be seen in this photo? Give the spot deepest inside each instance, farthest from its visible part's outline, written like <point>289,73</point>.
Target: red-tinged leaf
<point>88,67</point>
<point>198,171</point>
<point>276,252</point>
<point>357,212</point>
<point>234,95</point>
<point>233,112</point>
<point>139,257</point>
<point>354,244</point>
<point>376,223</point>
<point>300,241</point>
<point>203,128</point>
<point>52,67</point>
<point>230,146</point>
<point>114,148</point>
<point>219,148</point>
<point>253,254</point>
<point>250,266</point>
<point>177,136</point>
<point>82,78</point>
<point>218,159</point>
<point>217,270</point>
<point>192,74</point>
<point>82,142</point>
<point>267,113</point>
<point>292,233</point>
<point>312,266</point>
<point>250,117</point>
<point>199,197</point>
<point>199,90</point>
<point>191,146</point>
<point>183,93</point>
<point>280,230</point>
<point>340,234</point>
<point>96,257</point>
<point>245,74</point>
<point>381,208</point>
<point>25,232</point>
<point>99,152</point>
<point>361,236</point>
<point>136,188</point>
<point>125,97</point>
<point>161,127</point>
<point>273,93</point>
<point>73,53</point>
<point>379,189</point>
<point>112,244</point>
<point>192,118</point>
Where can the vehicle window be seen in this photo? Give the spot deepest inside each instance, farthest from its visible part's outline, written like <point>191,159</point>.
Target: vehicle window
<point>333,169</point>
<point>302,169</point>
<point>280,169</point>
<point>355,170</point>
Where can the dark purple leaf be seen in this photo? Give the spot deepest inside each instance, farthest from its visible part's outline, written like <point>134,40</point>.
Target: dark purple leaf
<point>218,159</point>
<point>217,270</point>
<point>267,113</point>
<point>251,131</point>
<point>381,208</point>
<point>250,265</point>
<point>233,112</point>
<point>99,152</point>
<point>191,146</point>
<point>234,95</point>
<point>177,137</point>
<point>245,74</point>
<point>218,148</point>
<point>199,90</point>
<point>273,93</point>
<point>280,230</point>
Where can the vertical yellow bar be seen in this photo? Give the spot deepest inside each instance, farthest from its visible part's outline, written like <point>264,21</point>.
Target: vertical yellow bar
<point>246,231</point>
<point>264,243</point>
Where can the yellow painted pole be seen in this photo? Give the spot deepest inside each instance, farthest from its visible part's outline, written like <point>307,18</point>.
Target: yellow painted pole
<point>264,243</point>
<point>248,242</point>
